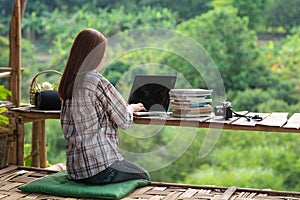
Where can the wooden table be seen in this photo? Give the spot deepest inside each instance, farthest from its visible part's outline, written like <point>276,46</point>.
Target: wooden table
<point>272,122</point>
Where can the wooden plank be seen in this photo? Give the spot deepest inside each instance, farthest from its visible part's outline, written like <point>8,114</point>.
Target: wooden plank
<point>5,74</point>
<point>203,196</point>
<point>5,69</point>
<point>6,104</point>
<point>200,119</point>
<point>221,120</point>
<point>156,197</point>
<point>2,196</point>
<point>8,169</point>
<point>293,121</point>
<point>142,190</point>
<point>15,196</point>
<point>228,193</point>
<point>172,196</point>
<point>189,193</point>
<point>10,186</point>
<point>242,121</point>
<point>275,119</point>
<point>216,197</point>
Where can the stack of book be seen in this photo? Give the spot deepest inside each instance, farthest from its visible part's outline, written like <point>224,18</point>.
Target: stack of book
<point>190,102</point>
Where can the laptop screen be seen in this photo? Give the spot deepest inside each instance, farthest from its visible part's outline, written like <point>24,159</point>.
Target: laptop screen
<point>152,91</point>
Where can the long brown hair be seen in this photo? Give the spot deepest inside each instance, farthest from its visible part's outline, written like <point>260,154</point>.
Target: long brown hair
<point>85,42</point>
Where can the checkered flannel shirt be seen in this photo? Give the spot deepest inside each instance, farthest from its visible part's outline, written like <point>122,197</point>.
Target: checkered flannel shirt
<point>90,122</point>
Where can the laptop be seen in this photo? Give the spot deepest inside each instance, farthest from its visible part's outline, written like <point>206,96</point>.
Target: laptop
<point>153,92</point>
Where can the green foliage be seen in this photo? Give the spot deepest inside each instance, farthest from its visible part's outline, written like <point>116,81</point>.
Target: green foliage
<point>273,105</point>
<point>281,58</point>
<point>142,140</point>
<point>56,143</point>
<point>283,14</point>
<point>4,92</point>
<point>5,12</point>
<point>261,165</point>
<point>3,119</point>
<point>4,50</point>
<point>65,32</point>
<point>116,71</point>
<point>294,108</point>
<point>3,95</point>
<point>248,99</point>
<point>229,42</point>
<point>33,27</point>
<point>253,177</point>
<point>255,10</point>
<point>258,100</point>
<point>27,152</point>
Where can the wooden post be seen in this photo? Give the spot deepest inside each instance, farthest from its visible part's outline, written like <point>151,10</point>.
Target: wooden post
<point>20,144</point>
<point>35,148</point>
<point>15,54</point>
<point>42,144</point>
<point>15,51</point>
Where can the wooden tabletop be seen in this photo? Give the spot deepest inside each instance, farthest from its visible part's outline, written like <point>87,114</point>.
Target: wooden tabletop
<point>272,122</point>
<point>32,113</point>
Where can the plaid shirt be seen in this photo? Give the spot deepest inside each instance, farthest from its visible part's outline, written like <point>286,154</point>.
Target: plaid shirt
<point>90,122</point>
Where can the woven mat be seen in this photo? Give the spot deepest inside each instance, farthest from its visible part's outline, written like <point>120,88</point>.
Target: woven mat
<point>13,177</point>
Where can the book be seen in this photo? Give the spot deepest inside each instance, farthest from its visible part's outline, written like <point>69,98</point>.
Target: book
<point>204,109</point>
<point>191,115</point>
<point>201,102</point>
<point>190,102</point>
<point>191,92</point>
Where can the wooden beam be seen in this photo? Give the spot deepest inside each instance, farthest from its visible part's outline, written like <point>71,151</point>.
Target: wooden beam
<point>8,69</point>
<point>5,69</point>
<point>5,74</point>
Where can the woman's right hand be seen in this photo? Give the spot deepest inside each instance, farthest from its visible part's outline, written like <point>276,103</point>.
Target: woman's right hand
<point>136,107</point>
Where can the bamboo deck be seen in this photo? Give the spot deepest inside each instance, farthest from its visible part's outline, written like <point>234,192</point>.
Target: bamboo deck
<point>13,176</point>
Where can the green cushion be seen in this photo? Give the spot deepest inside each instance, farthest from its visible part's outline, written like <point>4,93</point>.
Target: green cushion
<point>59,184</point>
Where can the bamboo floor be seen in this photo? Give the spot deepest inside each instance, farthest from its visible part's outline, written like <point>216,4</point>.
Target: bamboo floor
<point>12,177</point>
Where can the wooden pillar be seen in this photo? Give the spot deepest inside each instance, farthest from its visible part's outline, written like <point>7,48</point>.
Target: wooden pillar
<point>15,51</point>
<point>35,152</point>
<point>39,153</point>
<point>42,144</point>
<point>20,142</point>
<point>15,54</point>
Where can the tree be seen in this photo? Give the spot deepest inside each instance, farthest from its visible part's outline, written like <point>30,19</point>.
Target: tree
<point>255,10</point>
<point>283,14</point>
<point>282,58</point>
<point>229,42</point>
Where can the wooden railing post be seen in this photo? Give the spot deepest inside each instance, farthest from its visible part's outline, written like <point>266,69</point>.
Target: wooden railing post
<point>15,51</point>
<point>14,69</point>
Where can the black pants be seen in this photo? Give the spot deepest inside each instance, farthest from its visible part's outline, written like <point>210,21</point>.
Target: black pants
<point>119,171</point>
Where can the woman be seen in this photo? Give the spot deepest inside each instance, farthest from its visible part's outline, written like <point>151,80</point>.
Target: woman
<point>92,110</point>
